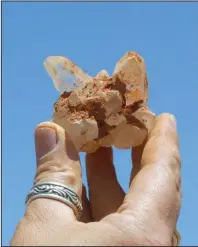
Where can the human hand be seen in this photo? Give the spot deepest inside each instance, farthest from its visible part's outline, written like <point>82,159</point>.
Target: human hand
<point>146,215</point>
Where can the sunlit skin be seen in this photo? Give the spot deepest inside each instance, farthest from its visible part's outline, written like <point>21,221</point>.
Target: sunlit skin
<point>146,215</point>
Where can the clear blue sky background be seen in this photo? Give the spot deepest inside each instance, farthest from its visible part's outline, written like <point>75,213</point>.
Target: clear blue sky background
<point>95,36</point>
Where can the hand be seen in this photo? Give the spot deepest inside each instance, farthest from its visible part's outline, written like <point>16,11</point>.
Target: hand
<point>146,215</point>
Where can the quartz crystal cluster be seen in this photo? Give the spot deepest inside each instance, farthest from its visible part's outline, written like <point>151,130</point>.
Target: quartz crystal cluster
<point>102,110</point>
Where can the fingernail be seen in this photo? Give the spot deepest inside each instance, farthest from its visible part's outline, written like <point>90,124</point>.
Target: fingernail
<point>173,119</point>
<point>45,141</point>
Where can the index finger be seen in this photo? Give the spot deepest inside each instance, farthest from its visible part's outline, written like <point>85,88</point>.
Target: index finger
<point>154,195</point>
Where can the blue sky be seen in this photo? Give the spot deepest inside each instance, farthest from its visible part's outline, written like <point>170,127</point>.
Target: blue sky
<point>95,36</point>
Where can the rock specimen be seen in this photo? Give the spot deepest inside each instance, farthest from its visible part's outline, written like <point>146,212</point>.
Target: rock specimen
<point>102,110</point>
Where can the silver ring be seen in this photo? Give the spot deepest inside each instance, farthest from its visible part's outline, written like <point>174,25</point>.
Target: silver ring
<point>56,191</point>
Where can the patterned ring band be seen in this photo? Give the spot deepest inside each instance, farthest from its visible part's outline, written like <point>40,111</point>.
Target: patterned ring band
<point>56,191</point>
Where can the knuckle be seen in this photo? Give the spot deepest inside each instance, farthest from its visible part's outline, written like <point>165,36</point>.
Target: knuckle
<point>175,164</point>
<point>57,172</point>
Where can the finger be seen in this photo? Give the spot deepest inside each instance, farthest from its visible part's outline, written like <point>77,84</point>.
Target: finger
<point>154,195</point>
<point>87,215</point>
<point>106,195</point>
<point>57,161</point>
<point>136,160</point>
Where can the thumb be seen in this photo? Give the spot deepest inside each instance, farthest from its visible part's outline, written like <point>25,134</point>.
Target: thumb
<point>57,161</point>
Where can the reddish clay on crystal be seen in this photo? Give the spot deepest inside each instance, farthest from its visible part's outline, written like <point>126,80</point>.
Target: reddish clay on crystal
<point>104,111</point>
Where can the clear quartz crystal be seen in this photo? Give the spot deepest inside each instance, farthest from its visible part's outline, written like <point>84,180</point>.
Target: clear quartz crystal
<point>65,74</point>
<point>130,69</point>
